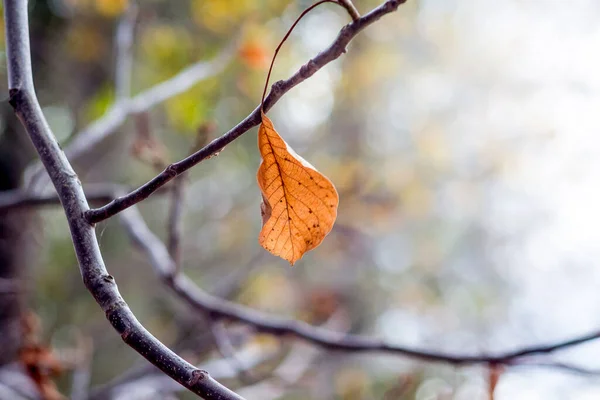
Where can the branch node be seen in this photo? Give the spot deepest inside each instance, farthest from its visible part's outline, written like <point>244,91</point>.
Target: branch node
<point>109,278</point>
<point>125,334</point>
<point>309,68</point>
<point>171,170</point>
<point>277,86</point>
<point>12,94</point>
<point>197,376</point>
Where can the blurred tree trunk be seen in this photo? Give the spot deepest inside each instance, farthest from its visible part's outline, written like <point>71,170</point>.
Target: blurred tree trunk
<point>14,243</point>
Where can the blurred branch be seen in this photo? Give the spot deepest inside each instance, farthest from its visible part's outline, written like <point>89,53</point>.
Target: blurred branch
<point>152,384</point>
<point>184,80</point>
<point>95,276</point>
<point>94,192</point>
<point>205,303</point>
<point>18,198</point>
<point>227,350</point>
<point>557,365</point>
<point>10,286</point>
<point>186,289</point>
<point>80,383</point>
<point>86,139</point>
<point>175,222</point>
<point>15,383</point>
<point>124,44</point>
<point>290,371</point>
<point>334,51</point>
<point>201,344</point>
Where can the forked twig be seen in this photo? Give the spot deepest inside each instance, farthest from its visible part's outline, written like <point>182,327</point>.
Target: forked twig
<point>95,276</point>
<point>334,51</point>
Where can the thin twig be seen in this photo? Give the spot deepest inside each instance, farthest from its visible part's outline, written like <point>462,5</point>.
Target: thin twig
<point>557,365</point>
<point>156,385</point>
<point>96,278</point>
<point>227,350</point>
<point>263,322</point>
<point>288,370</point>
<point>205,303</point>
<point>334,51</point>
<point>347,4</point>
<point>282,41</point>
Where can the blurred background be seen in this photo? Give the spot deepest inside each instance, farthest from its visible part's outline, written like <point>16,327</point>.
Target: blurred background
<point>461,136</point>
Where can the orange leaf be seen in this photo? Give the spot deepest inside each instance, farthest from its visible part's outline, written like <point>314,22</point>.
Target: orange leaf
<point>254,54</point>
<point>299,203</point>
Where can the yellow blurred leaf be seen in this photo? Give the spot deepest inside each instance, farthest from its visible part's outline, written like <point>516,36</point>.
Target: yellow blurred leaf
<point>299,203</point>
<point>187,111</point>
<point>220,16</point>
<point>111,8</point>
<point>100,103</point>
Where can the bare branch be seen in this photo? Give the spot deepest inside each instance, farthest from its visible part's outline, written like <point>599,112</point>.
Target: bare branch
<point>206,303</point>
<point>334,51</point>
<point>90,136</point>
<point>20,199</point>
<point>95,276</point>
<point>95,193</point>
<point>289,370</point>
<point>189,292</point>
<point>227,350</point>
<point>556,365</point>
<point>15,383</point>
<point>184,80</point>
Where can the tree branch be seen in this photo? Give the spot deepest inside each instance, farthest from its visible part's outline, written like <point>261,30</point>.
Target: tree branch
<point>90,136</point>
<point>228,351</point>
<point>334,51</point>
<point>205,303</point>
<point>189,292</point>
<point>95,193</point>
<point>95,276</point>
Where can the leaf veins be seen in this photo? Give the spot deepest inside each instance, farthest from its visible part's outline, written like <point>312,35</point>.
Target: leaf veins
<point>299,203</point>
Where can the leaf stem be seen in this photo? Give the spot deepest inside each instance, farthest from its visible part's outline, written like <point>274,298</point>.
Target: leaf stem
<point>289,32</point>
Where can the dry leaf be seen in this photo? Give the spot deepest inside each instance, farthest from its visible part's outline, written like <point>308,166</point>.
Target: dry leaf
<point>39,360</point>
<point>299,203</point>
<point>147,148</point>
